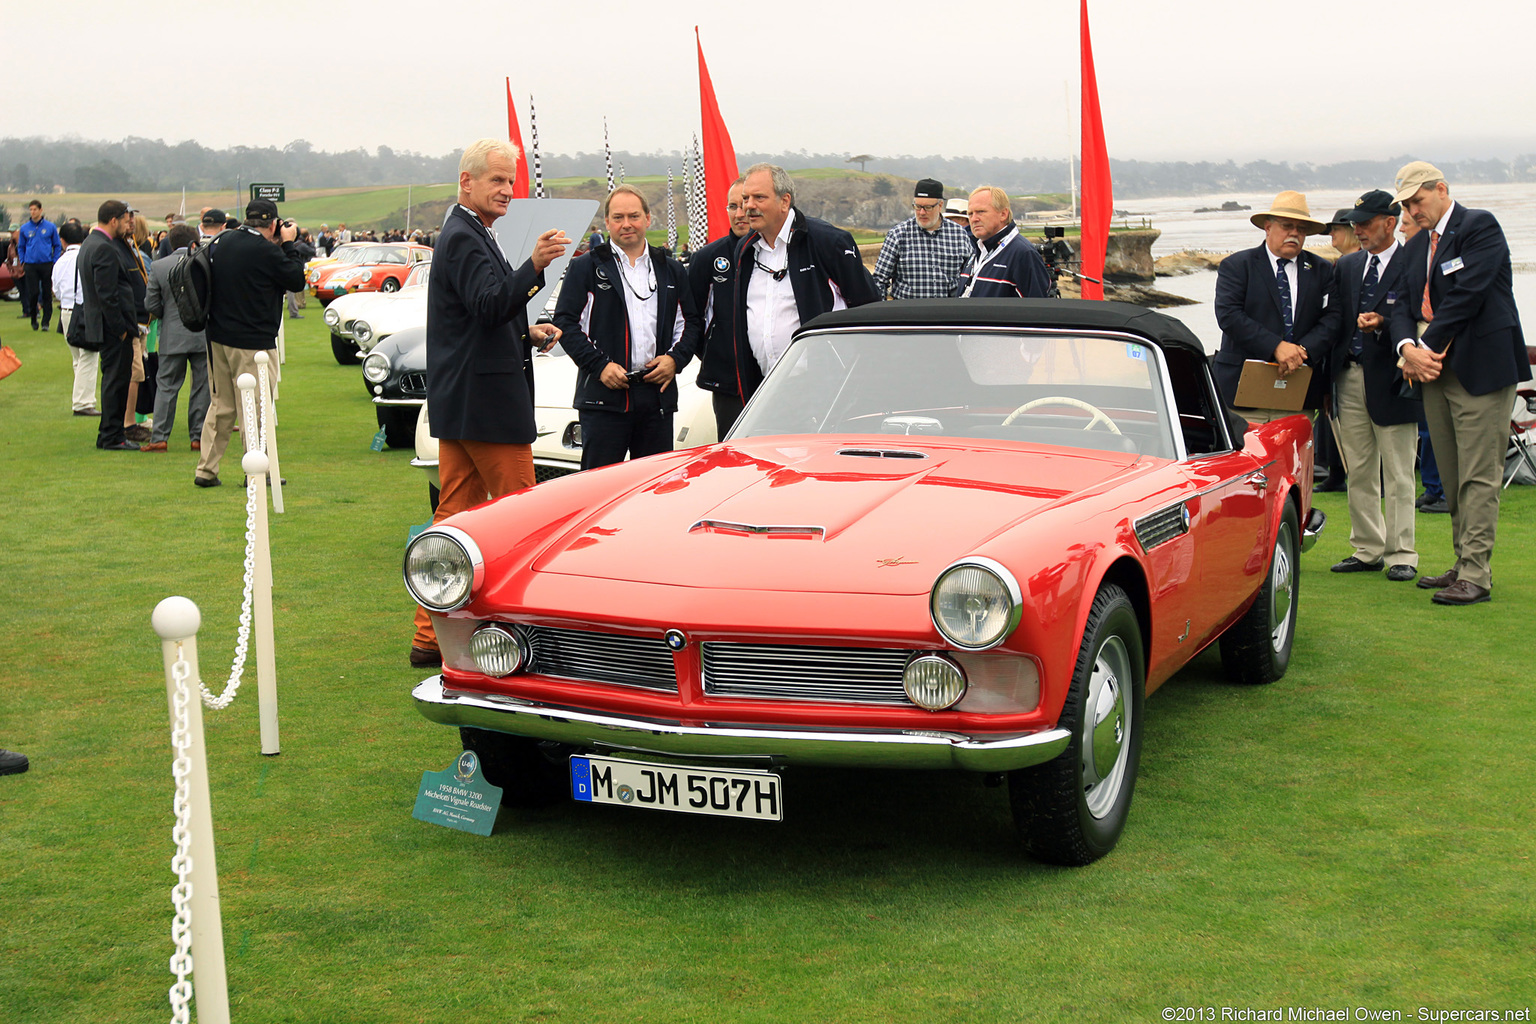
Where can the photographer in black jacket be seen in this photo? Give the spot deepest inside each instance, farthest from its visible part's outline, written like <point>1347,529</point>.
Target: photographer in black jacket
<point>627,317</point>
<point>253,266</point>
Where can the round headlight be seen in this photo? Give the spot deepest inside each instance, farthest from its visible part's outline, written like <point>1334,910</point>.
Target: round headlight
<point>376,368</point>
<point>934,682</point>
<point>976,604</point>
<point>498,650</point>
<point>332,318</point>
<point>362,331</point>
<point>314,276</point>
<point>442,568</point>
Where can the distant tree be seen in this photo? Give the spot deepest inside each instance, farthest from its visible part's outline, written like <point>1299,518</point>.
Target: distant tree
<point>861,159</point>
<point>21,178</point>
<point>104,176</point>
<point>883,186</point>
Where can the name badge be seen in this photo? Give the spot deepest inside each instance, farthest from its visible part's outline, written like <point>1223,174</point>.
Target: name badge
<point>1451,266</point>
<point>1391,298</point>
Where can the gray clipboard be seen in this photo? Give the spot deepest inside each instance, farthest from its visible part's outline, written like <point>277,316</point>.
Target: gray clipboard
<point>527,219</point>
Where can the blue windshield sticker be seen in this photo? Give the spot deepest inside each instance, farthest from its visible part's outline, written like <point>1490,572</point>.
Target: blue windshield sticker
<point>1136,352</point>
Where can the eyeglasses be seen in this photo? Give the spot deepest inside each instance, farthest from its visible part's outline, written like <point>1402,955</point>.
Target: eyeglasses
<point>926,207</point>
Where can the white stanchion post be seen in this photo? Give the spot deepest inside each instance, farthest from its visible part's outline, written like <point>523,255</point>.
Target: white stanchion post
<point>176,621</point>
<point>255,465</point>
<point>269,428</point>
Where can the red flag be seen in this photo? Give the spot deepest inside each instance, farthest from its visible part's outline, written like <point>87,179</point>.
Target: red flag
<point>719,154</point>
<point>515,133</point>
<point>1098,192</point>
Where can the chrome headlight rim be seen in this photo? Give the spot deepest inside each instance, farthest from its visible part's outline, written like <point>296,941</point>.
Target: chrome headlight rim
<point>1010,584</point>
<point>332,318</point>
<point>471,551</point>
<point>376,368</point>
<point>948,662</point>
<point>361,330</point>
<point>518,640</point>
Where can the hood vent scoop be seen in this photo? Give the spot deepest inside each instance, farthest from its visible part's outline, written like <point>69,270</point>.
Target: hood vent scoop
<point>881,453</point>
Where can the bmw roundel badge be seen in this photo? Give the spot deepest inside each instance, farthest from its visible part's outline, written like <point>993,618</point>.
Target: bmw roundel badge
<point>722,264</point>
<point>676,641</point>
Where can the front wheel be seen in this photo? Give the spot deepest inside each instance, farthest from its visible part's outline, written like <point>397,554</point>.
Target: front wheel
<point>1072,809</point>
<point>344,349</point>
<point>399,423</point>
<point>529,774</point>
<point>1256,649</point>
<point>390,284</point>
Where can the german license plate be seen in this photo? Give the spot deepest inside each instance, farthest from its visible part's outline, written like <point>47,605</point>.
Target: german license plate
<point>607,780</point>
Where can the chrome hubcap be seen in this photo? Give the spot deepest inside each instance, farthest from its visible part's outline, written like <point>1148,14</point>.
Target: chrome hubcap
<point>1282,585</point>
<point>1106,727</point>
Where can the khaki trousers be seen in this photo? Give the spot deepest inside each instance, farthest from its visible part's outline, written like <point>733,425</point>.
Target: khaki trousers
<point>1380,462</point>
<point>225,365</point>
<point>472,472</point>
<point>86,363</point>
<point>1470,433</point>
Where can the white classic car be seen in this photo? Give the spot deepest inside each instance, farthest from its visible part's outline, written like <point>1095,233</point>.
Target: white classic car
<point>557,449</point>
<point>360,320</point>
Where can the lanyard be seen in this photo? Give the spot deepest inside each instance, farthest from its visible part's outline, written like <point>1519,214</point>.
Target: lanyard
<point>982,256</point>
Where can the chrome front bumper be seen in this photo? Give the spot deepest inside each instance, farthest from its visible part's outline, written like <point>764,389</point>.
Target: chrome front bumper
<point>1315,523</point>
<point>736,743</point>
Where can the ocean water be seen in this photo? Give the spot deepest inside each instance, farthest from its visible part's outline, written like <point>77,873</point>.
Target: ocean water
<point>1514,205</point>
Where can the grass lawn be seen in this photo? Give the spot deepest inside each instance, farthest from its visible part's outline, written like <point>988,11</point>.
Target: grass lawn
<point>1358,834</point>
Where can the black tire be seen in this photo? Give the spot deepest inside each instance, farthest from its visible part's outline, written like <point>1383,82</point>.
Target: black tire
<point>1072,809</point>
<point>1256,649</point>
<point>345,350</point>
<point>528,773</point>
<point>399,423</point>
<point>389,284</point>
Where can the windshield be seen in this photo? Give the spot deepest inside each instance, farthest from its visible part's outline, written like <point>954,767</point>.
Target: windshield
<point>351,254</point>
<point>1068,390</point>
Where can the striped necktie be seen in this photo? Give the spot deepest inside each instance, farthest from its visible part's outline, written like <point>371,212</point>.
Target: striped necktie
<point>1425,310</point>
<point>1285,295</point>
<point>1367,300</point>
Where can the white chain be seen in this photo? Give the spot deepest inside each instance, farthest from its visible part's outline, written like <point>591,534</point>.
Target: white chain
<point>243,634</point>
<point>181,863</point>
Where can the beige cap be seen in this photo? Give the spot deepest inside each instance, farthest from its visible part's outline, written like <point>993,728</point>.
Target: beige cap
<point>1291,205</point>
<point>1413,177</point>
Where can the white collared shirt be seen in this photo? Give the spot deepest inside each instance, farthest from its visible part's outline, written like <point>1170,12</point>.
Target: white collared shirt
<point>639,283</point>
<point>772,316</point>
<point>1382,259</point>
<point>64,278</point>
<point>1290,272</point>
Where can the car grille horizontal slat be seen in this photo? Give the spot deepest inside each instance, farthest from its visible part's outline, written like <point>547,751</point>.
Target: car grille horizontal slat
<point>855,675</point>
<point>602,657</point>
<point>1162,526</point>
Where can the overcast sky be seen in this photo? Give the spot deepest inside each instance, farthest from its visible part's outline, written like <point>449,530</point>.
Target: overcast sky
<point>1180,80</point>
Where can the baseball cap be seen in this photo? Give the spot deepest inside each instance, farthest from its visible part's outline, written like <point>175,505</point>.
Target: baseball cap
<point>928,189</point>
<point>1373,204</point>
<point>213,218</point>
<point>261,210</point>
<point>1413,177</point>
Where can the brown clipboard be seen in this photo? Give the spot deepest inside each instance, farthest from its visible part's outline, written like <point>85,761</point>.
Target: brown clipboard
<point>1262,387</point>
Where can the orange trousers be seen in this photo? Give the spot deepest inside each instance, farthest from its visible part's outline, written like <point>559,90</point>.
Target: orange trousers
<point>473,472</point>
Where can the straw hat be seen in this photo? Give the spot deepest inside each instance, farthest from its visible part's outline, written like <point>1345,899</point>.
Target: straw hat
<point>1293,206</point>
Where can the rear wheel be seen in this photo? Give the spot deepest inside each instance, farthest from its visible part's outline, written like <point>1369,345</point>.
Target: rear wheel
<point>399,423</point>
<point>530,774</point>
<point>344,349</point>
<point>1071,810</point>
<point>1256,649</point>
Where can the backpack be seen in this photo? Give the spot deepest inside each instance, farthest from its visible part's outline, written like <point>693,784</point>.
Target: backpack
<point>191,281</point>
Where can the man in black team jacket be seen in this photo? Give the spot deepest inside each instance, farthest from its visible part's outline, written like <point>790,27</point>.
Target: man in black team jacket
<point>712,276</point>
<point>627,317</point>
<point>790,268</point>
<point>252,267</point>
<point>105,318</point>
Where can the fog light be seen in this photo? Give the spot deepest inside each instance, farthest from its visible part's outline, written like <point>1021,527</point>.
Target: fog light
<point>498,650</point>
<point>572,436</point>
<point>934,682</point>
<point>362,331</point>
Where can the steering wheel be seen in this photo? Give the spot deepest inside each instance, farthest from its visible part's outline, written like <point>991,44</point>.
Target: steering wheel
<point>1076,403</point>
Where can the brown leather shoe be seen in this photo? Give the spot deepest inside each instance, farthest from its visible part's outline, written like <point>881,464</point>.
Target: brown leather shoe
<point>155,446</point>
<point>425,657</point>
<point>1440,582</point>
<point>1462,592</point>
<point>197,446</point>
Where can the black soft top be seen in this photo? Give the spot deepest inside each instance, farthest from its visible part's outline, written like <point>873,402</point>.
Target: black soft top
<point>1163,331</point>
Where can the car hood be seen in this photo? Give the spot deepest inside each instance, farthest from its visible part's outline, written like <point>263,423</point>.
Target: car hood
<point>812,514</point>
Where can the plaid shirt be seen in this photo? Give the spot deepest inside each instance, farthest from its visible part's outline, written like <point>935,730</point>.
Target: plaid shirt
<point>918,264</point>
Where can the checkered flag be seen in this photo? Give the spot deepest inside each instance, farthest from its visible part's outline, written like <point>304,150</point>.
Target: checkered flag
<point>698,227</point>
<point>608,155</point>
<point>538,171</point>
<point>621,174</point>
<point>671,214</point>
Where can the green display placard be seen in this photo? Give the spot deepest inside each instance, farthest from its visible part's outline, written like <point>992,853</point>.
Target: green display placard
<point>273,190</point>
<point>458,797</point>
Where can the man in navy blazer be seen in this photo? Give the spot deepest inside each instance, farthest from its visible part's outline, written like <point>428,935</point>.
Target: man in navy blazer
<point>480,350</point>
<point>1459,336</point>
<point>1260,321</point>
<point>1375,425</point>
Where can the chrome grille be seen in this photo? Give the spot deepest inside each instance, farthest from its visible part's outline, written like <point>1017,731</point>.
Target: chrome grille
<point>602,657</point>
<point>859,675</point>
<point>413,383</point>
<point>1162,526</point>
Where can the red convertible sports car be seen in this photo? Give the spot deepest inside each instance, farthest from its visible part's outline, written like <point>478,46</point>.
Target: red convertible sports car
<point>963,534</point>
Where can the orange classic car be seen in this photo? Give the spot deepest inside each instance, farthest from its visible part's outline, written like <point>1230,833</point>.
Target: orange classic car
<point>370,267</point>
